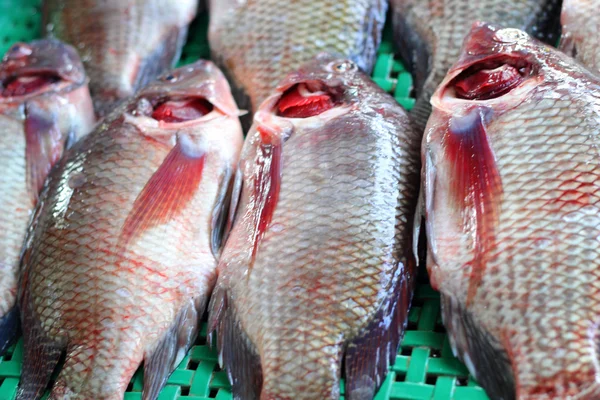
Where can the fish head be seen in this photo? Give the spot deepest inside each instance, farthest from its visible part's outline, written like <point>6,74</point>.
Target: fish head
<point>201,80</point>
<point>502,77</point>
<point>320,91</point>
<point>194,100</point>
<point>41,66</point>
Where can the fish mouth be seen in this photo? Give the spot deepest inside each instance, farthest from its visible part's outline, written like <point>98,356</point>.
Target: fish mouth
<point>176,110</point>
<point>306,99</point>
<point>27,83</point>
<point>488,78</point>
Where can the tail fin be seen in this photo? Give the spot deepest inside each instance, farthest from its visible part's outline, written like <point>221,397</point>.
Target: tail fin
<point>236,352</point>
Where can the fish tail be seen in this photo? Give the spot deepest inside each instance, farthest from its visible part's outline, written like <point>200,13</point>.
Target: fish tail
<point>9,329</point>
<point>98,369</point>
<point>236,352</point>
<point>369,355</point>
<point>170,351</point>
<point>41,355</point>
<point>481,352</point>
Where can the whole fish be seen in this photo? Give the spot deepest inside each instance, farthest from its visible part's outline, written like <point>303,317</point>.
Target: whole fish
<point>259,42</point>
<point>124,44</point>
<point>581,31</point>
<point>512,202</point>
<point>429,34</point>
<point>120,260</point>
<point>45,106</point>
<point>316,269</point>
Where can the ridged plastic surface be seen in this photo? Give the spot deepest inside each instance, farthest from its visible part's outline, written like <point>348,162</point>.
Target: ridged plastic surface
<point>425,367</point>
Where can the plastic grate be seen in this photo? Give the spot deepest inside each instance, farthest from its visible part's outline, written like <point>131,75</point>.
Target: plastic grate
<point>425,367</point>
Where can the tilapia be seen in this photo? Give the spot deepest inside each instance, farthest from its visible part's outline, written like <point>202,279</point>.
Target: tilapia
<point>581,31</point>
<point>124,44</point>
<point>429,34</point>
<point>121,258</point>
<point>45,105</point>
<point>511,197</point>
<point>317,271</point>
<point>259,42</point>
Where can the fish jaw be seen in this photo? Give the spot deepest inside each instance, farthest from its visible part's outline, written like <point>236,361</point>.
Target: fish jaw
<point>518,318</point>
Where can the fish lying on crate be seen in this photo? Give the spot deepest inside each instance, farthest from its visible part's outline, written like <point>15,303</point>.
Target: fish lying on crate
<point>317,268</point>
<point>511,195</point>
<point>581,31</point>
<point>429,34</point>
<point>259,42</point>
<point>45,106</point>
<point>121,257</point>
<point>124,44</point>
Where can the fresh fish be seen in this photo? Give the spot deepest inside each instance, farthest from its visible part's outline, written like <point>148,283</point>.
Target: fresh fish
<point>581,31</point>
<point>259,42</point>
<point>124,44</point>
<point>121,258</point>
<point>429,34</point>
<point>44,106</point>
<point>317,271</point>
<point>511,197</point>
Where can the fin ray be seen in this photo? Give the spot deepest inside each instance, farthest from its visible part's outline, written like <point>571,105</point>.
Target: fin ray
<point>168,191</point>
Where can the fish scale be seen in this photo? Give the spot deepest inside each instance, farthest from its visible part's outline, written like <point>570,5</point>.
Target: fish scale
<point>18,204</point>
<point>257,46</point>
<point>330,280</point>
<point>124,44</point>
<point>530,330</point>
<point>109,296</point>
<point>429,34</point>
<point>37,125</point>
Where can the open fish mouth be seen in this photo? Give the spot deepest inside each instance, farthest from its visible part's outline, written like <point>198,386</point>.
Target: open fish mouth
<point>307,99</point>
<point>28,82</point>
<point>489,78</point>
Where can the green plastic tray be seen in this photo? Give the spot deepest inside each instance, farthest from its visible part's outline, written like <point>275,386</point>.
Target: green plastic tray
<point>425,368</point>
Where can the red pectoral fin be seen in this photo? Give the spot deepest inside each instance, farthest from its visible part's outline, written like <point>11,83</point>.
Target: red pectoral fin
<point>168,191</point>
<point>44,145</point>
<point>476,188</point>
<point>266,185</point>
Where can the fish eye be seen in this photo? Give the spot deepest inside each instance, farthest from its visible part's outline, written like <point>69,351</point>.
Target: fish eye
<point>343,66</point>
<point>170,78</point>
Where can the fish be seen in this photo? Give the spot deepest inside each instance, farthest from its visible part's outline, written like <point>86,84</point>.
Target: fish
<point>257,43</point>
<point>124,44</point>
<point>121,258</point>
<point>45,106</point>
<point>317,271</point>
<point>510,194</point>
<point>429,34</point>
<point>580,27</point>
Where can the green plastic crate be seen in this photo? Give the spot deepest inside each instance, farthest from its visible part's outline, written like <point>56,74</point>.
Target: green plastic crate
<point>425,367</point>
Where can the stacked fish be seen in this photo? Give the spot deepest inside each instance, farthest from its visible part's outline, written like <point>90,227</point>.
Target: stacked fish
<point>136,205</point>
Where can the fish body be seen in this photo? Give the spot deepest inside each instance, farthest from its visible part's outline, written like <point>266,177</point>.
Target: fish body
<point>429,34</point>
<point>259,42</point>
<point>121,258</point>
<point>511,198</point>
<point>44,105</point>
<point>316,268</point>
<point>124,44</point>
<point>580,31</point>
